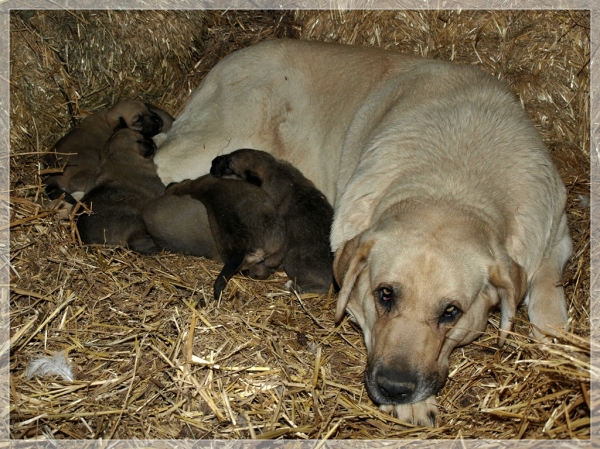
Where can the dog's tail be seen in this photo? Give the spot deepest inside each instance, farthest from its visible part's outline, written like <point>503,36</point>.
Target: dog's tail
<point>232,266</point>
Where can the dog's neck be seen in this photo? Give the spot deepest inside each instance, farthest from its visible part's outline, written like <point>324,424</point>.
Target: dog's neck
<point>281,180</point>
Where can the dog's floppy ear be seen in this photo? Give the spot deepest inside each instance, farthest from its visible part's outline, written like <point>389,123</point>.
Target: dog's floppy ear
<point>510,281</point>
<point>350,260</point>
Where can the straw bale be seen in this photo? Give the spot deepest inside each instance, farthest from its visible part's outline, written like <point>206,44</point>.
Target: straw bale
<point>149,362</point>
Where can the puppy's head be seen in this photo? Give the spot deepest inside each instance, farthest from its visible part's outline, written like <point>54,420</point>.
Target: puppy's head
<point>420,283</point>
<point>130,141</point>
<point>139,116</point>
<point>249,165</point>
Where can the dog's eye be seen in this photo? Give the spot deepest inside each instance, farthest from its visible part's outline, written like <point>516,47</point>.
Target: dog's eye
<point>386,297</point>
<point>451,313</point>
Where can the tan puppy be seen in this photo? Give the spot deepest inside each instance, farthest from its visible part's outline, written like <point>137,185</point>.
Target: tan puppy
<point>307,214</point>
<point>446,201</point>
<point>125,182</point>
<point>244,224</point>
<point>80,149</point>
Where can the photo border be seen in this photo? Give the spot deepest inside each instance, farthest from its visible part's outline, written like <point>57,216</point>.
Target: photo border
<point>7,5</point>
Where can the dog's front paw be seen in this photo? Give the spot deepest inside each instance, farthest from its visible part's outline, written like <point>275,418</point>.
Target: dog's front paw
<point>421,413</point>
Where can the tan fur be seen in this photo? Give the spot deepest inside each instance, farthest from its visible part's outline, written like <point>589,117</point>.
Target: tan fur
<point>444,193</point>
<point>79,150</point>
<point>126,180</point>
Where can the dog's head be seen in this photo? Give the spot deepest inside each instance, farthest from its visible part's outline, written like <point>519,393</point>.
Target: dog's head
<point>247,164</point>
<point>129,141</point>
<point>419,283</point>
<point>139,116</point>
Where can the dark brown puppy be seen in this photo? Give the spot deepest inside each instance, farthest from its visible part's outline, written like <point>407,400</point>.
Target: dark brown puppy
<point>125,182</point>
<point>80,149</point>
<point>306,212</point>
<point>180,224</point>
<point>244,224</point>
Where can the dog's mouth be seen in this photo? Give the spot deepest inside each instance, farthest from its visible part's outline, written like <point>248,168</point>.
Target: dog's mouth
<point>392,385</point>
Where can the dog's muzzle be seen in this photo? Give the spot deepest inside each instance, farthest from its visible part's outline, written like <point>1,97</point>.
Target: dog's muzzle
<point>152,124</point>
<point>389,384</point>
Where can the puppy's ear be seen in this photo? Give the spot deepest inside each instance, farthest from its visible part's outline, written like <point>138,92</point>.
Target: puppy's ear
<point>115,118</point>
<point>122,124</point>
<point>253,178</point>
<point>510,281</point>
<point>350,260</point>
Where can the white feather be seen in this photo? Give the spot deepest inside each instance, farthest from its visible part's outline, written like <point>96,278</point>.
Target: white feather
<point>57,365</point>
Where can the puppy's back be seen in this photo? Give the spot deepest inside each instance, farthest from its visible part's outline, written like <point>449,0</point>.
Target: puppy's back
<point>180,224</point>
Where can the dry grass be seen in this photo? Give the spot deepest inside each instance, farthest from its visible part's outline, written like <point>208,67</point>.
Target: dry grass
<point>263,363</point>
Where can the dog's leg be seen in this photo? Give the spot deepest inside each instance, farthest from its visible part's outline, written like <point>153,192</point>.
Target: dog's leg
<point>420,413</point>
<point>232,266</point>
<point>546,300</point>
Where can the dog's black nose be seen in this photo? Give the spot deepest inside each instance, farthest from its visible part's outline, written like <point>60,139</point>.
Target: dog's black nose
<point>395,386</point>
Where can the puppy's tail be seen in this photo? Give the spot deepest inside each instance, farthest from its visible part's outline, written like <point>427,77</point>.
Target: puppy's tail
<point>232,266</point>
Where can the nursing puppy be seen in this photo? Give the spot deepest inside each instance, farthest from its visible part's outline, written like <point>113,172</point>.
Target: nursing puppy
<point>446,201</point>
<point>180,224</point>
<point>244,224</point>
<point>79,150</point>
<point>308,260</point>
<point>125,182</point>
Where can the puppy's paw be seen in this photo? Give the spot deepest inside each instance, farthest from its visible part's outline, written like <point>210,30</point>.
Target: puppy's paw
<point>179,188</point>
<point>421,413</point>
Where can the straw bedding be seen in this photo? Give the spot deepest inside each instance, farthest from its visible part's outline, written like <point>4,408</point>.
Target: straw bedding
<point>148,362</point>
